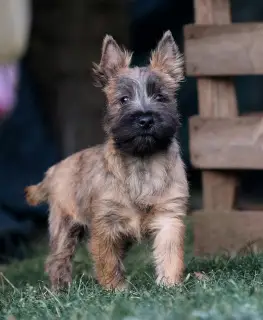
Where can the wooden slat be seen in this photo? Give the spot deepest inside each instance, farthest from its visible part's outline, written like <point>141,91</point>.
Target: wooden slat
<point>219,191</point>
<point>235,143</point>
<point>230,233</point>
<point>217,98</point>
<point>212,12</point>
<point>224,50</point>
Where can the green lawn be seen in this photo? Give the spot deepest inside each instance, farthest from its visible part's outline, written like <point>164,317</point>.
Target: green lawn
<point>230,289</point>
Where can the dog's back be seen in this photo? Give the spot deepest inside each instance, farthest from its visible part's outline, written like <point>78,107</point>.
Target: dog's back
<point>60,180</point>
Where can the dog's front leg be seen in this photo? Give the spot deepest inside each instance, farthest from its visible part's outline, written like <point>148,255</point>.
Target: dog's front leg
<point>168,246</point>
<point>107,256</point>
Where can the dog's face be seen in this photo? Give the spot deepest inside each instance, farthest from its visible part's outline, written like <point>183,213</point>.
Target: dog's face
<point>142,116</point>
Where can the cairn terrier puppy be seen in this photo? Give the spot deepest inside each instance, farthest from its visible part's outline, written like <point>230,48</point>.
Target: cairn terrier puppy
<point>134,185</point>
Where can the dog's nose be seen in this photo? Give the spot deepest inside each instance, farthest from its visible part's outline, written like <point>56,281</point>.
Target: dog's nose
<point>146,121</point>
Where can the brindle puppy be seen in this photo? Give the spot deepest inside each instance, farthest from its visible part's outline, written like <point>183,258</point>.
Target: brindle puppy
<point>131,186</point>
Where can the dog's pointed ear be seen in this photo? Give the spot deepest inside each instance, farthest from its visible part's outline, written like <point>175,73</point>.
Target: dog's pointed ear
<point>113,58</point>
<point>167,57</point>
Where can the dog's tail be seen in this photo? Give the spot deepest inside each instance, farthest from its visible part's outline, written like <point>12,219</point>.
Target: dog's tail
<point>36,194</point>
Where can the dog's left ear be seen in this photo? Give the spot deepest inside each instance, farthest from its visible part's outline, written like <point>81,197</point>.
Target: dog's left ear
<point>167,57</point>
<point>113,58</point>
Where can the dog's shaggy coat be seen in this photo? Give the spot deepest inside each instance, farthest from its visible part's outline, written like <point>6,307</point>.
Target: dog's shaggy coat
<point>133,185</point>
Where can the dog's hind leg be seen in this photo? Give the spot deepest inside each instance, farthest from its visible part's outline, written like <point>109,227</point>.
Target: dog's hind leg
<point>64,233</point>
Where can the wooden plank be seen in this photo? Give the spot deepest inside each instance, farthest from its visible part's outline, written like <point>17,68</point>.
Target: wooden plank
<point>235,143</point>
<point>212,12</point>
<point>215,199</point>
<point>224,50</point>
<point>230,233</point>
<point>217,98</point>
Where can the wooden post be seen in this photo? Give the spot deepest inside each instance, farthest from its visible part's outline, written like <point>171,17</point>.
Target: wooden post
<point>217,98</point>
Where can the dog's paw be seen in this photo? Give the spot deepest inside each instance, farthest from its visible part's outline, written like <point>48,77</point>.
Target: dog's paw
<point>120,287</point>
<point>168,281</point>
<point>60,275</point>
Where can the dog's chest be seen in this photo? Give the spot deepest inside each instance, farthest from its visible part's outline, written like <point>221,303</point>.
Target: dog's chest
<point>146,180</point>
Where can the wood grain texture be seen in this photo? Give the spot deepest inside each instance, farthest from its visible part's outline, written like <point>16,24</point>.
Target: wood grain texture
<point>212,12</point>
<point>235,143</point>
<point>220,193</point>
<point>217,98</point>
<point>224,50</point>
<point>229,233</point>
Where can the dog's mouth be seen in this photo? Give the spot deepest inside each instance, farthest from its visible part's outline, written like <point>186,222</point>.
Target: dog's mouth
<point>145,134</point>
<point>143,144</point>
<point>143,137</point>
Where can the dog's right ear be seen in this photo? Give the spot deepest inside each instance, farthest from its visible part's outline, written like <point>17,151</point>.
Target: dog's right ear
<point>113,58</point>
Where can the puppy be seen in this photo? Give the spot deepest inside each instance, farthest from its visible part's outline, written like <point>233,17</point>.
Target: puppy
<point>132,186</point>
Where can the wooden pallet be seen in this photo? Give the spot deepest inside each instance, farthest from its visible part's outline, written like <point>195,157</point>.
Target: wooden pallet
<point>221,141</point>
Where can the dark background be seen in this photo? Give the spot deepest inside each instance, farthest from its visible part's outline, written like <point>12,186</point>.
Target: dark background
<point>59,111</point>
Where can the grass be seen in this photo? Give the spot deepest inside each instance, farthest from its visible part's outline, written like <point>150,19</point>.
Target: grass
<point>212,289</point>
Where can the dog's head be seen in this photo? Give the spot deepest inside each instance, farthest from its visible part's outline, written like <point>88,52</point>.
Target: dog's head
<point>141,117</point>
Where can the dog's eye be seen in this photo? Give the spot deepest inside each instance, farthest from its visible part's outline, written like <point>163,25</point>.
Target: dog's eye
<point>124,100</point>
<point>160,97</point>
